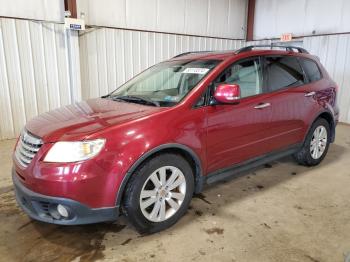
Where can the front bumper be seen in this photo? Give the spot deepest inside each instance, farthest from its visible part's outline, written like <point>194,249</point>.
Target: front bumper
<point>44,208</point>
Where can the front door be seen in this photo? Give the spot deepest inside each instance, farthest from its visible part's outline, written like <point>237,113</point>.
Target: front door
<point>238,132</point>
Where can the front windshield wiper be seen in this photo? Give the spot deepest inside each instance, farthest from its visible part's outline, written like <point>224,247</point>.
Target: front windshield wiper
<point>136,99</point>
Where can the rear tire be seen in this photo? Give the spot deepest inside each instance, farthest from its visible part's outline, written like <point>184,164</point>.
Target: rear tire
<point>315,145</point>
<point>159,193</point>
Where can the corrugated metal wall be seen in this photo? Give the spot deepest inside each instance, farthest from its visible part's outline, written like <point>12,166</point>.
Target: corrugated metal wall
<point>300,17</point>
<point>52,10</point>
<point>109,57</point>
<point>334,52</point>
<point>38,72</point>
<point>213,18</point>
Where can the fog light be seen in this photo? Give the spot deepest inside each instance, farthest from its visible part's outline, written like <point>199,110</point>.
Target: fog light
<point>62,210</point>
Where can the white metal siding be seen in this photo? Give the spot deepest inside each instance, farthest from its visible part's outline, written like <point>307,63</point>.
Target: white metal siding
<point>110,57</point>
<point>35,71</point>
<point>334,52</point>
<point>219,18</point>
<point>49,10</point>
<point>300,17</point>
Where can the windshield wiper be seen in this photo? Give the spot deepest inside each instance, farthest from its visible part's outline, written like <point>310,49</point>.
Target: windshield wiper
<point>136,99</point>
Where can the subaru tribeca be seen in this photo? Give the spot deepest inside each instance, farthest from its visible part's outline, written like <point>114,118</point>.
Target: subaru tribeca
<point>146,148</point>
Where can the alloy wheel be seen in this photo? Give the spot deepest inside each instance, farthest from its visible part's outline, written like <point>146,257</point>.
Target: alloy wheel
<point>163,193</point>
<point>318,142</point>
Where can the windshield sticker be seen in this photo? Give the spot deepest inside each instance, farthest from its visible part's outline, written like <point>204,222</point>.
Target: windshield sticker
<point>200,71</point>
<point>171,98</point>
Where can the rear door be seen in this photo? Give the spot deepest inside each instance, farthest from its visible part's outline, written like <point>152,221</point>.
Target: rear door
<point>291,100</point>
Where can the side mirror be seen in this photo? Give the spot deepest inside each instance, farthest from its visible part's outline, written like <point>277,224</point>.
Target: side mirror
<point>227,93</point>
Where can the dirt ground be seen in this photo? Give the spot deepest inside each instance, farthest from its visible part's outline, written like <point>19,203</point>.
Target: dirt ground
<point>278,212</point>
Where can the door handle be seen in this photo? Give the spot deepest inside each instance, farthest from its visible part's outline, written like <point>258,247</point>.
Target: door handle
<point>262,105</point>
<point>310,94</point>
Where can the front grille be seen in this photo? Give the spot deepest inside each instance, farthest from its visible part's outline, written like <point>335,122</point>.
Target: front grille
<point>28,145</point>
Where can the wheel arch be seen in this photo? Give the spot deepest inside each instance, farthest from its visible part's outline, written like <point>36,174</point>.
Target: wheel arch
<point>183,150</point>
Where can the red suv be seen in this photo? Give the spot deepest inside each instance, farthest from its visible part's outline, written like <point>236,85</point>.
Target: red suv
<point>146,148</point>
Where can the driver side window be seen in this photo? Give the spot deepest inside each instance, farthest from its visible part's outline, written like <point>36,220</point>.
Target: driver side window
<point>247,74</point>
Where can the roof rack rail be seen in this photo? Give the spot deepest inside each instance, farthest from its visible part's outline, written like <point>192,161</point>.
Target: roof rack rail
<point>191,52</point>
<point>288,48</point>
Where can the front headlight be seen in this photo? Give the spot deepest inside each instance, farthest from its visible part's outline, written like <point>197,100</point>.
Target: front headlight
<point>74,151</point>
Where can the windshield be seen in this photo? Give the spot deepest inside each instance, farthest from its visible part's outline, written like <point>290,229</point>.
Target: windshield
<point>164,84</point>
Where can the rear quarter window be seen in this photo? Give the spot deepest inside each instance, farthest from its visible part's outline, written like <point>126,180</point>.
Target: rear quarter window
<point>311,69</point>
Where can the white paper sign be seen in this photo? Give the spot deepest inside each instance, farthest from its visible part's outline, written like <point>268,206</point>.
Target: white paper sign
<point>200,71</point>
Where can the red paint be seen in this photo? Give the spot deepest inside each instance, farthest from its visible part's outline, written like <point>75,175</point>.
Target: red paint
<point>227,93</point>
<point>220,135</point>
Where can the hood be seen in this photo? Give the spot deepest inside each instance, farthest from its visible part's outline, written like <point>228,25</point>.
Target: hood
<point>79,120</point>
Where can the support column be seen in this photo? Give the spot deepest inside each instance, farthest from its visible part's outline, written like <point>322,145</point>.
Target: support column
<point>250,20</point>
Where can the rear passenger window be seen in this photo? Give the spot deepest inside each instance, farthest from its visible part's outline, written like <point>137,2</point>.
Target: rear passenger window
<point>282,72</point>
<point>311,70</point>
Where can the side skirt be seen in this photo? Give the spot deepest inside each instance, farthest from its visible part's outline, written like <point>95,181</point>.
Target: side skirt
<point>240,169</point>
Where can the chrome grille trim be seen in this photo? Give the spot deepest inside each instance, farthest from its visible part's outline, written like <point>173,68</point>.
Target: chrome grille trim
<point>27,147</point>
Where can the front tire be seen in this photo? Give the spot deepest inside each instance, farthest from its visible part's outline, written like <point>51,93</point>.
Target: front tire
<point>159,193</point>
<point>315,145</point>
